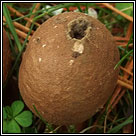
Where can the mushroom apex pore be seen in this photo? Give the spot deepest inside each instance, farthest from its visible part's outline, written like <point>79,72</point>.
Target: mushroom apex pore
<point>77,28</point>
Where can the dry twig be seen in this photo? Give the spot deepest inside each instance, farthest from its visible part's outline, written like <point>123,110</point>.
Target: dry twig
<point>28,24</point>
<point>116,97</point>
<point>130,30</point>
<point>125,80</point>
<point>125,85</point>
<point>21,15</point>
<point>20,26</point>
<point>124,69</point>
<point>118,11</point>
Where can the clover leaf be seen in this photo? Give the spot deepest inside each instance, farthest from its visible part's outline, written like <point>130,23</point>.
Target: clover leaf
<point>4,113</point>
<point>17,107</point>
<point>13,127</point>
<point>14,117</point>
<point>5,126</point>
<point>24,119</point>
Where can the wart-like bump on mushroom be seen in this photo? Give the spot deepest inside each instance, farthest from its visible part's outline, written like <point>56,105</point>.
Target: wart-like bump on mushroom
<point>55,26</point>
<point>40,59</point>
<point>44,45</point>
<point>78,47</point>
<point>71,62</point>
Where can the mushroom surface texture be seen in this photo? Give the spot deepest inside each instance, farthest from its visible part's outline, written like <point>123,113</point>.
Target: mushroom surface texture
<point>6,55</point>
<point>67,70</point>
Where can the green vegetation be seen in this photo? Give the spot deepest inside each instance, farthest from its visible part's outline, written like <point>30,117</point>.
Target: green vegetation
<point>14,118</point>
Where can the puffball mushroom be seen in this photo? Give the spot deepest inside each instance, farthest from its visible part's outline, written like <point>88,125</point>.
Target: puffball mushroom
<point>6,55</point>
<point>67,70</point>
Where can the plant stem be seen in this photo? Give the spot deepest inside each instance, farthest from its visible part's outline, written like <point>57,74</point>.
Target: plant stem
<point>11,26</point>
<point>40,116</point>
<point>122,59</point>
<point>78,6</point>
<point>86,9</point>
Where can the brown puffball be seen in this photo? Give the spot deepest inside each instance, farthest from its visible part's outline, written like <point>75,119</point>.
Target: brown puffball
<point>67,70</point>
<point>6,55</point>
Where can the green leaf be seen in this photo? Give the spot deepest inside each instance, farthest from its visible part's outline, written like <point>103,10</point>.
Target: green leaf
<point>5,128</point>
<point>17,107</point>
<point>24,118</point>
<point>9,112</point>
<point>13,127</point>
<point>4,113</point>
<point>127,8</point>
<point>118,127</point>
